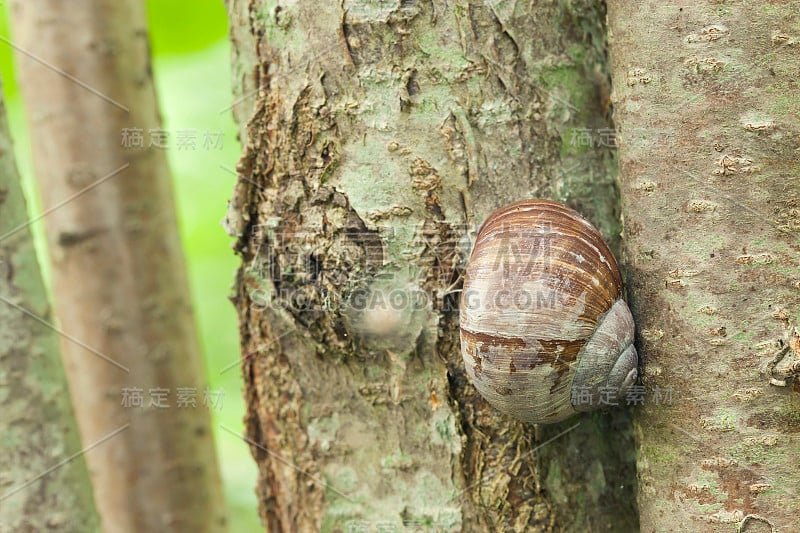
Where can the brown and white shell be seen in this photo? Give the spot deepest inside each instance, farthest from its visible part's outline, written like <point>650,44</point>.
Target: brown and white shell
<point>545,332</point>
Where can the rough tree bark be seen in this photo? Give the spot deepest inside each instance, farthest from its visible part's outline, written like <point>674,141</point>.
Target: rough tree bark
<point>118,272</point>
<point>41,488</point>
<point>378,136</point>
<point>706,103</point>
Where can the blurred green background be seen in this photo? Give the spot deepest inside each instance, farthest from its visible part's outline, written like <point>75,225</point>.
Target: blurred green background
<point>191,63</point>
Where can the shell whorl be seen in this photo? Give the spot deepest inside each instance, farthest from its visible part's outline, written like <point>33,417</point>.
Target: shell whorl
<point>541,286</point>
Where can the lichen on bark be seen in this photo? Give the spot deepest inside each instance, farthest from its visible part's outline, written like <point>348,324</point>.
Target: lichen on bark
<point>705,100</point>
<point>377,137</point>
<point>44,483</point>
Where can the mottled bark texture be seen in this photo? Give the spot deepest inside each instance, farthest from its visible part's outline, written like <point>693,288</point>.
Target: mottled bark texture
<point>706,103</point>
<point>377,136</point>
<point>37,427</point>
<point>118,273</point>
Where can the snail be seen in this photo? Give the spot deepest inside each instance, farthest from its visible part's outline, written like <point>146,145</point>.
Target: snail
<point>545,332</point>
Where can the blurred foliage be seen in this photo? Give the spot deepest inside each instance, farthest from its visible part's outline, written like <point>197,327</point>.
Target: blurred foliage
<point>185,26</point>
<point>191,63</point>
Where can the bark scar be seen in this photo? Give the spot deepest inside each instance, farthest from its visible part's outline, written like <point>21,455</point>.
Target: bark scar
<point>72,238</point>
<point>344,33</point>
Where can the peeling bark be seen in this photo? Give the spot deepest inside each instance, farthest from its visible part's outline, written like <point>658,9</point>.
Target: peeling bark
<point>706,104</point>
<point>377,137</point>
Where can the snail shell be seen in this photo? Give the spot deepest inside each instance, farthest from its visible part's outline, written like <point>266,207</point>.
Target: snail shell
<point>545,332</point>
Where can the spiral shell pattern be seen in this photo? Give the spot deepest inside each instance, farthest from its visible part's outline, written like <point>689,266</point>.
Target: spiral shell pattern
<point>541,304</point>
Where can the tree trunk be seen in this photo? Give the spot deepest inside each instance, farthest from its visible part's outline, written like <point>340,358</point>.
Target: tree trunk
<point>44,483</point>
<point>118,272</point>
<point>706,103</point>
<point>377,137</point>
